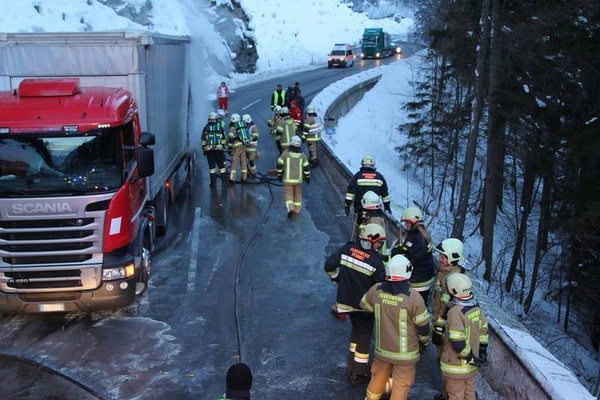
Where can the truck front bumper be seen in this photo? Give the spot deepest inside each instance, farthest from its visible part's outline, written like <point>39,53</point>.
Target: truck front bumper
<point>110,295</point>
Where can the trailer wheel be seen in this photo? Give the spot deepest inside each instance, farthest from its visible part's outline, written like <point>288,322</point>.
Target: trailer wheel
<point>142,282</point>
<point>162,206</point>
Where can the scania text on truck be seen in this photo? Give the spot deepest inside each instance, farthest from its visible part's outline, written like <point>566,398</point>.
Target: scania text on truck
<point>376,44</point>
<point>82,194</point>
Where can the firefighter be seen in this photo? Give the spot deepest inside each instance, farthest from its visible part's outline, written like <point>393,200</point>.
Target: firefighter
<point>355,267</point>
<point>214,143</point>
<point>251,153</point>
<point>404,329</point>
<point>239,138</point>
<point>367,178</point>
<point>221,114</point>
<point>450,254</point>
<point>272,123</point>
<point>312,134</point>
<point>286,128</point>
<point>415,244</point>
<point>278,97</point>
<point>371,212</point>
<point>465,340</point>
<point>292,170</point>
<point>239,382</point>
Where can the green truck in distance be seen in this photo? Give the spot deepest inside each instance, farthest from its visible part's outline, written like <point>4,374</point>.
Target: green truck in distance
<point>376,44</point>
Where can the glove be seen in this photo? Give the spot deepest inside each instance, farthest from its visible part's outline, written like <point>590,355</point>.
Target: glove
<point>422,347</point>
<point>438,335</point>
<point>387,208</point>
<point>347,205</point>
<point>280,178</point>
<point>482,361</point>
<point>307,180</point>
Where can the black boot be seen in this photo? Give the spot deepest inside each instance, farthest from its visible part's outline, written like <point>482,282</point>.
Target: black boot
<point>213,181</point>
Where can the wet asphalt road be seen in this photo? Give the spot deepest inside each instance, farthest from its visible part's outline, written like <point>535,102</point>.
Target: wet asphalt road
<point>233,280</point>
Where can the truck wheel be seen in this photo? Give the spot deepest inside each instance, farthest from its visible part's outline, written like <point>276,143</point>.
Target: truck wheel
<point>142,282</point>
<point>162,225</point>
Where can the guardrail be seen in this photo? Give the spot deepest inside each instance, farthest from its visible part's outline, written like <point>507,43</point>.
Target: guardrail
<point>520,368</point>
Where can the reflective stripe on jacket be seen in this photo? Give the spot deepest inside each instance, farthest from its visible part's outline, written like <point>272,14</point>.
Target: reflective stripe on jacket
<point>467,329</point>
<point>402,323</point>
<point>293,166</point>
<point>355,270</point>
<point>213,137</point>
<point>312,129</point>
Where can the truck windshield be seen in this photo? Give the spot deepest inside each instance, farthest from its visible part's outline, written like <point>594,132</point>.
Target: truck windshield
<point>34,165</point>
<point>370,40</point>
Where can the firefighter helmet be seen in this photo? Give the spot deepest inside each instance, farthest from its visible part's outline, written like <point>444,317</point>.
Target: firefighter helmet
<point>368,161</point>
<point>246,118</point>
<point>213,116</point>
<point>372,233</point>
<point>284,110</point>
<point>412,215</point>
<point>371,201</point>
<point>295,141</point>
<point>277,109</point>
<point>220,113</point>
<point>460,286</point>
<point>235,118</point>
<point>398,269</point>
<point>453,249</point>
<point>311,110</point>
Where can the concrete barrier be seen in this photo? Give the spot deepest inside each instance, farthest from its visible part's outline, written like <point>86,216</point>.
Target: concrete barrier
<point>520,368</point>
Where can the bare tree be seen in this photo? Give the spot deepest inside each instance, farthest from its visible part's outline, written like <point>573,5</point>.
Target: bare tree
<point>477,112</point>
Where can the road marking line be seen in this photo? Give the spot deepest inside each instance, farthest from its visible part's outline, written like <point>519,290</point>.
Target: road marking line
<point>251,104</point>
<point>195,249</point>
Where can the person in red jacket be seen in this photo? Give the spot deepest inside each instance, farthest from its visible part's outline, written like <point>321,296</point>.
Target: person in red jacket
<point>296,114</point>
<point>223,97</point>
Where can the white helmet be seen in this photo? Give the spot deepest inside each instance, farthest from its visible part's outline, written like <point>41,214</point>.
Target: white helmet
<point>372,233</point>
<point>277,109</point>
<point>246,118</point>
<point>295,141</point>
<point>460,286</point>
<point>412,215</point>
<point>220,113</point>
<point>398,269</point>
<point>368,161</point>
<point>453,249</point>
<point>284,110</point>
<point>311,110</point>
<point>371,201</point>
<point>213,116</point>
<point>235,118</point>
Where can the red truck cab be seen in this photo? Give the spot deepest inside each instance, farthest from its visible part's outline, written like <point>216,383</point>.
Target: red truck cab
<point>75,230</point>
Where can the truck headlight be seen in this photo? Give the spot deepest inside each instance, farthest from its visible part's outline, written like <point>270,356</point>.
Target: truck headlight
<point>110,274</point>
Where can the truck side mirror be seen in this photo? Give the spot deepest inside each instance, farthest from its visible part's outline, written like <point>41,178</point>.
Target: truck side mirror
<point>145,160</point>
<point>147,139</point>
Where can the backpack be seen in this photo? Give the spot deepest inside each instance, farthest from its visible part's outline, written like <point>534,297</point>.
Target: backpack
<point>243,132</point>
<point>214,135</point>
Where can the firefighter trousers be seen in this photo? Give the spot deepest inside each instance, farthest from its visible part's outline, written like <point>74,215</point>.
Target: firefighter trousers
<point>461,389</point>
<point>292,195</point>
<point>403,378</point>
<point>238,157</point>
<point>360,342</point>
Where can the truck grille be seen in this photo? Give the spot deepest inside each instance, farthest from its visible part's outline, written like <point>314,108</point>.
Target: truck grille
<point>50,254</point>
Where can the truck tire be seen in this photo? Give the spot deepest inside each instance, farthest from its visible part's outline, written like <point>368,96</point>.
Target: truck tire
<point>162,209</point>
<point>144,275</point>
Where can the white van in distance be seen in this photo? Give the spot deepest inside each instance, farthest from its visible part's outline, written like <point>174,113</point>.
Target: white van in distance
<point>342,55</point>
